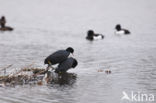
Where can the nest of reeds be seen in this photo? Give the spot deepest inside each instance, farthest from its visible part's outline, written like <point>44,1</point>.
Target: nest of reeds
<point>32,75</point>
<point>26,75</point>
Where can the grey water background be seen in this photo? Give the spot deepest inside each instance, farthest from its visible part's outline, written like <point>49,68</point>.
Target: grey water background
<point>44,26</point>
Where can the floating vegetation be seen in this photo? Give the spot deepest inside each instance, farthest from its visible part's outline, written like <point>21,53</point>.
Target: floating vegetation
<point>106,71</point>
<point>26,75</point>
<point>100,70</point>
<point>35,76</point>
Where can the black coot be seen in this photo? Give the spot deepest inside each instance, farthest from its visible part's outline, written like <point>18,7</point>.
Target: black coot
<point>67,64</point>
<point>58,56</point>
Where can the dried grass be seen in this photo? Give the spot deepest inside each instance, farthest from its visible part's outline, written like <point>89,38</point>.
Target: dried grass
<point>26,75</point>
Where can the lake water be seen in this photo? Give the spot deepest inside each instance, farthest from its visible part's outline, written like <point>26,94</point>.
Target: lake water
<point>44,26</point>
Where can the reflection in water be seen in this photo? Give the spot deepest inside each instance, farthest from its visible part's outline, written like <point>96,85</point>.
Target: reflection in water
<point>61,78</point>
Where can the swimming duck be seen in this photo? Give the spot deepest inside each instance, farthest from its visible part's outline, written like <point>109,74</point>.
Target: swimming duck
<point>7,28</point>
<point>2,24</point>
<point>120,30</point>
<point>92,36</point>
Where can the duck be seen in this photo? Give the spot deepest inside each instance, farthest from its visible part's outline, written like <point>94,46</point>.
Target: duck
<point>58,57</point>
<point>2,24</point>
<point>66,65</point>
<point>6,28</point>
<point>120,30</point>
<point>93,36</point>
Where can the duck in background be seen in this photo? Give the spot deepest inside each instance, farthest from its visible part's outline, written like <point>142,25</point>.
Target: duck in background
<point>120,31</point>
<point>2,24</point>
<point>2,21</point>
<point>92,36</point>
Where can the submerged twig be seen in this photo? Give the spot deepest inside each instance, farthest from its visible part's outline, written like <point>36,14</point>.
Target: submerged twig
<point>28,66</point>
<point>6,68</point>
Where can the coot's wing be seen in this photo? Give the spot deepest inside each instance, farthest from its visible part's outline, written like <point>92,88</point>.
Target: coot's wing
<point>58,57</point>
<point>65,65</point>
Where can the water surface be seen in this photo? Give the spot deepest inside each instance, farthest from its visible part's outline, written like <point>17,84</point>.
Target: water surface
<point>44,26</point>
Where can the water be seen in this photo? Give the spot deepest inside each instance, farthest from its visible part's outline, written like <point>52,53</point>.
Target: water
<point>44,26</point>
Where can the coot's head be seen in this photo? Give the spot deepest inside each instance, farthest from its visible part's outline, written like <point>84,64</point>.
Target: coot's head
<point>90,33</point>
<point>118,27</point>
<point>75,63</point>
<point>70,49</point>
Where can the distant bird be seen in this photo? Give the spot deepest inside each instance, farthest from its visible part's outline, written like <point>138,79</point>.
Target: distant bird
<point>66,65</point>
<point>92,36</point>
<point>120,30</point>
<point>2,24</point>
<point>58,56</point>
<point>6,28</point>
